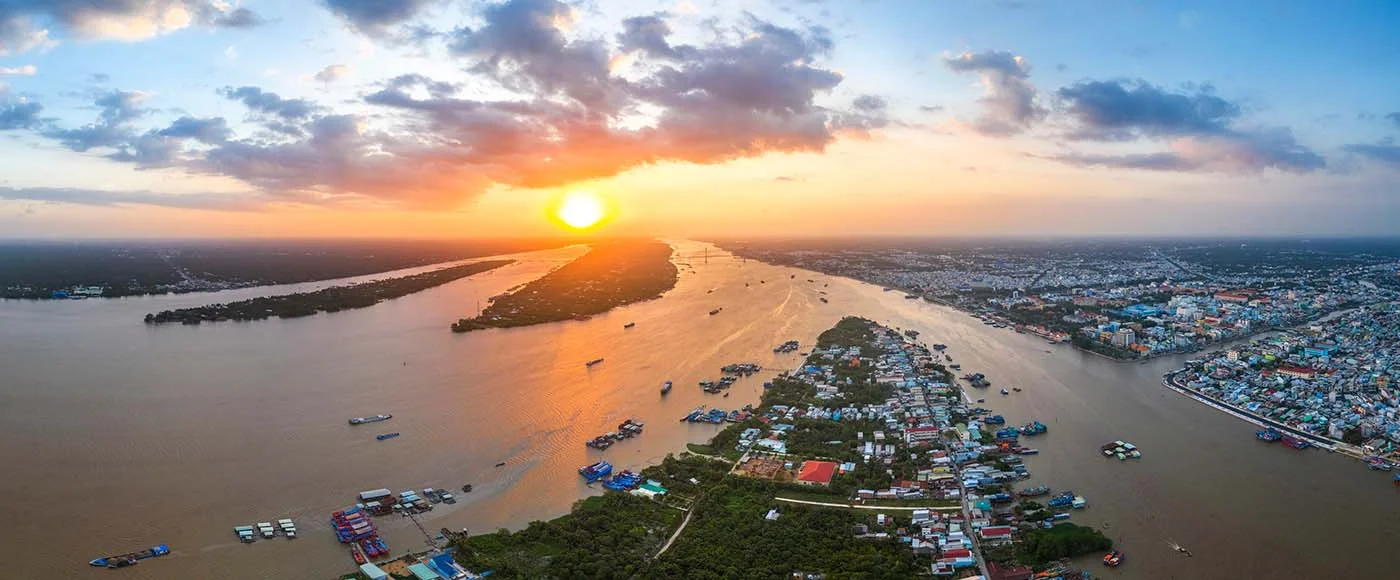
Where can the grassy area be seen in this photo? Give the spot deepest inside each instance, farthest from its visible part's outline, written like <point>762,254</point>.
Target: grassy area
<point>610,275</point>
<point>700,449</point>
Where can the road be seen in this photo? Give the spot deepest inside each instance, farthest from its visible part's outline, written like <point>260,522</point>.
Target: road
<point>869,507</point>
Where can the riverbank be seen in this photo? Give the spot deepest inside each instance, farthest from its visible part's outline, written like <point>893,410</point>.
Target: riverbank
<point>1173,381</point>
<point>610,275</point>
<point>332,299</point>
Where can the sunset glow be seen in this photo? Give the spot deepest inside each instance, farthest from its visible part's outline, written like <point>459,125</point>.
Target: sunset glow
<point>581,210</point>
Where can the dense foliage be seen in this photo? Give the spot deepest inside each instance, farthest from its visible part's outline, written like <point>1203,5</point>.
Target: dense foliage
<point>607,536</point>
<point>331,299</point>
<point>608,276</point>
<point>1040,546</point>
<point>728,537</point>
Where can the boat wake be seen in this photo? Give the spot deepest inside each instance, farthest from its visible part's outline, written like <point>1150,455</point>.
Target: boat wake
<point>1179,548</point>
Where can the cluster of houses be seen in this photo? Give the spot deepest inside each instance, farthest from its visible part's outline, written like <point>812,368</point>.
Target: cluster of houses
<point>1334,378</point>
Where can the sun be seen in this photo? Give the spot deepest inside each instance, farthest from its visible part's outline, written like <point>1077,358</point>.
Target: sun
<point>580,210</point>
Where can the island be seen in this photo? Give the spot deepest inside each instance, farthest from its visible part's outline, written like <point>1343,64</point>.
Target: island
<point>610,275</point>
<point>865,462</point>
<point>331,299</point>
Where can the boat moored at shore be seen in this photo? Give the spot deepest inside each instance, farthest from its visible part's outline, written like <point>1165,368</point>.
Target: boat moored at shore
<point>130,558</point>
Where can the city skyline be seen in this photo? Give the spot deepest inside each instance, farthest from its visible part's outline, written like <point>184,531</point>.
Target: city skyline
<point>191,118</point>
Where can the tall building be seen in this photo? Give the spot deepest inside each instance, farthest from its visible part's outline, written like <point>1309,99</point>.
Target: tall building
<point>1124,338</point>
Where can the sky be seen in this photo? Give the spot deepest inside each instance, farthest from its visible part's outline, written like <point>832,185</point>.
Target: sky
<point>748,118</point>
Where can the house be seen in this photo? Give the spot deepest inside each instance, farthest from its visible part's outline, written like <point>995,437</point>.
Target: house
<point>373,572</point>
<point>1014,573</point>
<point>422,572</point>
<point>995,533</point>
<point>816,472</point>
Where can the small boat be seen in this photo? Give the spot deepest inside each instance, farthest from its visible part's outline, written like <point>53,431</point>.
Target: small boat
<point>370,419</point>
<point>1269,435</point>
<point>289,529</point>
<point>593,362</point>
<point>130,558</point>
<point>629,325</point>
<point>467,487</point>
<point>383,436</point>
<point>824,300</point>
<point>447,498</point>
<point>981,400</point>
<point>1029,451</point>
<point>1005,392</point>
<point>1017,389</point>
<point>357,555</point>
<point>716,311</point>
<point>1035,491</point>
<point>1113,559</point>
<point>501,464</point>
<point>245,534</point>
<point>665,387</point>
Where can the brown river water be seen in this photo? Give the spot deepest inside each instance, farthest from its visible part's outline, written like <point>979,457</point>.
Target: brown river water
<point>115,435</point>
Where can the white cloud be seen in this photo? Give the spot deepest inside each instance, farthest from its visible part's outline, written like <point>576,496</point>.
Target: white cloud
<point>27,70</point>
<point>333,73</point>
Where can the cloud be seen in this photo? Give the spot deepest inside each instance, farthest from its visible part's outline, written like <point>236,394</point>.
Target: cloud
<point>101,198</point>
<point>263,102</point>
<point>1385,152</point>
<point>1234,152</point>
<point>1394,118</point>
<point>28,70</point>
<point>332,73</point>
<point>238,18</point>
<point>373,17</point>
<point>21,115</point>
<point>1119,110</point>
<point>557,115</point>
<point>1010,102</point>
<point>647,35</point>
<point>127,20</point>
<point>113,125</point>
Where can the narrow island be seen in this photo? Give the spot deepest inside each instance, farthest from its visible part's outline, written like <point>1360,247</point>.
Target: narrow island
<point>610,275</point>
<point>331,299</point>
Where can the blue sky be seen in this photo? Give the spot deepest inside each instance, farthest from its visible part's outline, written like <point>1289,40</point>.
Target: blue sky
<point>218,117</point>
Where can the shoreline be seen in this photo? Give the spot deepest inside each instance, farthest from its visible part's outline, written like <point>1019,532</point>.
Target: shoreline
<point>1170,381</point>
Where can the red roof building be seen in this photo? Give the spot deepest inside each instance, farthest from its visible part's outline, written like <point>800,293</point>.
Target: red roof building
<point>816,472</point>
<point>995,533</point>
<point>999,573</point>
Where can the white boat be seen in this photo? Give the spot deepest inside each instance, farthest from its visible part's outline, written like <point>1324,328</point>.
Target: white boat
<point>267,530</point>
<point>371,419</point>
<point>288,528</point>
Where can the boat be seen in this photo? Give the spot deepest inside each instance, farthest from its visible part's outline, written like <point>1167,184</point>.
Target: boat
<point>383,436</point>
<point>629,325</point>
<point>1005,392</point>
<point>1029,451</point>
<point>983,401</point>
<point>1295,442</point>
<point>593,362</point>
<point>1033,428</point>
<point>501,464</point>
<point>357,554</point>
<point>1035,491</point>
<point>1269,435</point>
<point>1017,389</point>
<point>288,528</point>
<point>595,471</point>
<point>824,300</point>
<point>716,311</point>
<point>1113,559</point>
<point>447,498</point>
<point>994,419</point>
<point>267,530</point>
<point>245,534</point>
<point>665,387</point>
<point>370,419</point>
<point>130,558</point>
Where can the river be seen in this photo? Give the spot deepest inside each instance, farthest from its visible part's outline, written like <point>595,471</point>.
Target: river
<point>118,435</point>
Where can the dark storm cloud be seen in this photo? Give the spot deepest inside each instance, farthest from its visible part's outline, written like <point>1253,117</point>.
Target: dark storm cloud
<point>372,16</point>
<point>1010,102</point>
<point>1115,110</point>
<point>261,101</point>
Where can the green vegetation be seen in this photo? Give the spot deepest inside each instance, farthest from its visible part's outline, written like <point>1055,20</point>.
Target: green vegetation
<point>610,275</point>
<point>1040,546</point>
<point>331,299</point>
<point>607,536</point>
<point>728,537</point>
